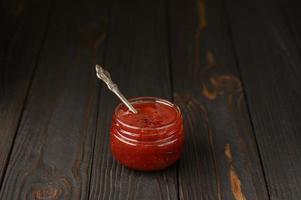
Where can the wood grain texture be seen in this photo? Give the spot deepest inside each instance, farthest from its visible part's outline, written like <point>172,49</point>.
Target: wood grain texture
<point>21,38</point>
<point>269,61</point>
<point>53,148</point>
<point>220,160</point>
<point>137,59</point>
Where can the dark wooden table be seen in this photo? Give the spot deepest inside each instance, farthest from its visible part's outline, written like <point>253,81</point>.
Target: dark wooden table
<point>233,66</point>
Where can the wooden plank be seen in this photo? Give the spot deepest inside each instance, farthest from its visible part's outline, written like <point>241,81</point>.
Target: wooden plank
<point>291,11</point>
<point>12,14</point>
<point>269,60</point>
<point>53,148</point>
<point>220,159</point>
<point>137,58</point>
<point>20,42</point>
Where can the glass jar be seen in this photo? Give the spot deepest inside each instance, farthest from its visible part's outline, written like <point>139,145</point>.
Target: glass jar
<point>150,140</point>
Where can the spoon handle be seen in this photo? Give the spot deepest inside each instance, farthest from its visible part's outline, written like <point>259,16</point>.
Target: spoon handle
<point>105,77</point>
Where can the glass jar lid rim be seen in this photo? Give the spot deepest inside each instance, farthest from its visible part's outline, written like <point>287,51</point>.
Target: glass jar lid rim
<point>150,99</point>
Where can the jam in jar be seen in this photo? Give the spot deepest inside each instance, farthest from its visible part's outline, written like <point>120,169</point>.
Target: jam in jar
<point>150,140</point>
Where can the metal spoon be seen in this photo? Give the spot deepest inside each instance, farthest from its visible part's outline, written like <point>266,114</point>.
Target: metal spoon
<point>105,77</point>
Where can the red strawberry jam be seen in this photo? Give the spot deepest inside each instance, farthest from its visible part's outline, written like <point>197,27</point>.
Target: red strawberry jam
<point>150,140</point>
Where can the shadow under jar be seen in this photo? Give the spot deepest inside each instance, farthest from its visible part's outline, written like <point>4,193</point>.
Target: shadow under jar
<point>150,140</point>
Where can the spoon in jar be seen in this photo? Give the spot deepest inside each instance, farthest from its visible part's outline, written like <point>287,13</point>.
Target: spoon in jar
<point>105,77</point>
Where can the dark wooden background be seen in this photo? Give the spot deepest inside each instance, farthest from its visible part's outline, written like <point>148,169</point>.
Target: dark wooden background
<point>233,66</point>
